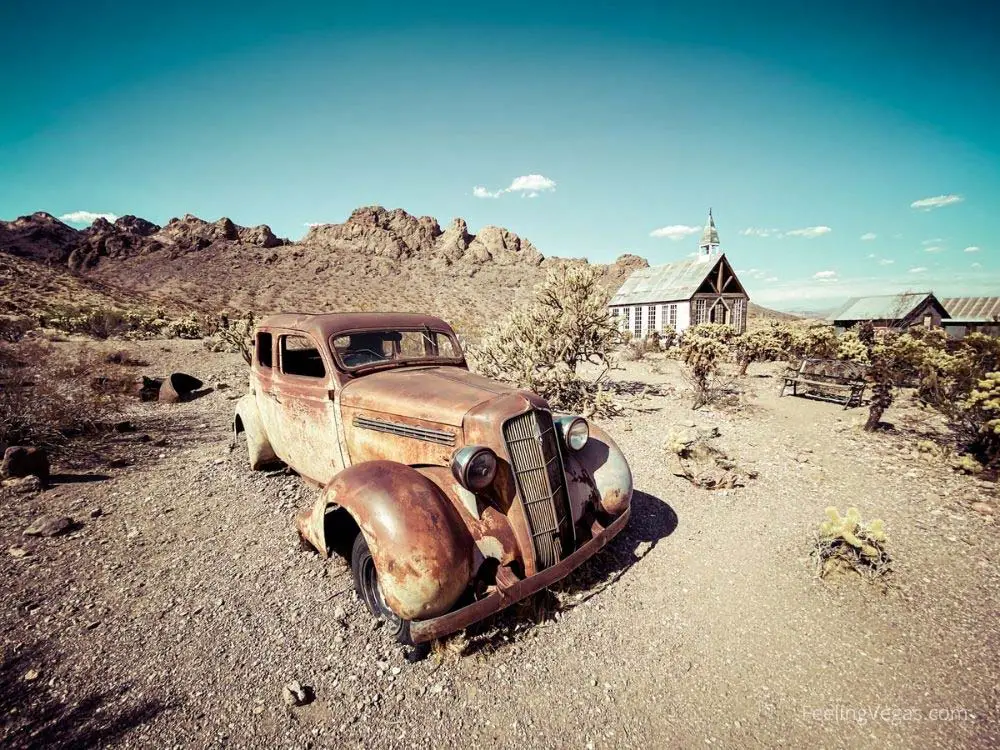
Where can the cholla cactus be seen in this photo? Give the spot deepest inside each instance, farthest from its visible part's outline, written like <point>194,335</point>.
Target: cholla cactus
<point>852,348</point>
<point>983,407</point>
<point>703,355</point>
<point>540,346</point>
<point>234,336</point>
<point>847,543</point>
<point>763,344</point>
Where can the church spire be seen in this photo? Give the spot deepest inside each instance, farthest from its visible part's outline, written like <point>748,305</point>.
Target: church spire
<point>709,245</point>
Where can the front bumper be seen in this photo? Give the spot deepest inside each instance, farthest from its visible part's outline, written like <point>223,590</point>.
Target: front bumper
<point>437,627</point>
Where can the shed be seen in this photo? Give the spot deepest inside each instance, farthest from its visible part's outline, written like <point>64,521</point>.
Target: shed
<point>890,311</point>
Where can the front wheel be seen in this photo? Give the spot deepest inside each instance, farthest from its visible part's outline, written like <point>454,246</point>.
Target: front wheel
<point>366,585</point>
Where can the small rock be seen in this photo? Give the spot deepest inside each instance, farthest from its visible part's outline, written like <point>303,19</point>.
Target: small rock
<point>294,694</point>
<point>96,512</point>
<point>31,675</point>
<point>49,526</point>
<point>339,613</point>
<point>17,552</point>
<point>985,508</point>
<point>24,485</point>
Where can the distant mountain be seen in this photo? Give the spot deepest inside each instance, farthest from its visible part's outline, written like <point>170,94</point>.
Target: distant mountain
<point>377,259</point>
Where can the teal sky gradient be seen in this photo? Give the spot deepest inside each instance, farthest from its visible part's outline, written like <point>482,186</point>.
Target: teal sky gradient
<point>781,116</point>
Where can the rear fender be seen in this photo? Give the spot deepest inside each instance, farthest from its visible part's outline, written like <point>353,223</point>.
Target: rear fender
<point>247,420</point>
<point>422,550</point>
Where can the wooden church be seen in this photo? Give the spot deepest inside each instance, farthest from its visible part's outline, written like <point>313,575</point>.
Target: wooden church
<point>671,297</point>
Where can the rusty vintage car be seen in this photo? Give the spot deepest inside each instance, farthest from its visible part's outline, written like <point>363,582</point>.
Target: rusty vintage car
<point>468,495</point>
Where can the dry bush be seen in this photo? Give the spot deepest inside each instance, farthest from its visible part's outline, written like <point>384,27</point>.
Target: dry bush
<point>540,346</point>
<point>703,351</point>
<point>46,400</point>
<point>982,412</point>
<point>759,345</point>
<point>13,330</point>
<point>846,544</point>
<point>234,336</point>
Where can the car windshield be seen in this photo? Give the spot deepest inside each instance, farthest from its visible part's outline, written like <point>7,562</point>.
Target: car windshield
<point>354,350</point>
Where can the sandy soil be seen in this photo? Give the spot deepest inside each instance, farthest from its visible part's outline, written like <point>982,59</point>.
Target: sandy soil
<point>175,615</point>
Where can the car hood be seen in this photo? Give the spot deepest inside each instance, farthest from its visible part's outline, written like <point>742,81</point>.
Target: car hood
<point>434,394</point>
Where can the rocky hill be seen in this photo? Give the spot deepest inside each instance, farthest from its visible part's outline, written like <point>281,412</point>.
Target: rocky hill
<point>378,259</point>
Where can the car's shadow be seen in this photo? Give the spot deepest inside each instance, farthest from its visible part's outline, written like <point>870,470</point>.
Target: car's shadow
<point>652,521</point>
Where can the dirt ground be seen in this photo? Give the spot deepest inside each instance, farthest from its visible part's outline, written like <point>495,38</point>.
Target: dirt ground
<point>176,611</point>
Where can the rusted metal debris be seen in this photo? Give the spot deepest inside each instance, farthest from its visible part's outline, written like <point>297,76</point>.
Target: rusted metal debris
<point>376,408</point>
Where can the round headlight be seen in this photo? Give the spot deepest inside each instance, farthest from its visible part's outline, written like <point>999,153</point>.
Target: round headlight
<point>575,432</point>
<point>474,467</point>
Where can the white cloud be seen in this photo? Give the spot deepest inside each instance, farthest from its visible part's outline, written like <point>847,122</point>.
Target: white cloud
<point>675,231</point>
<point>809,232</point>
<point>937,201</point>
<point>312,224</point>
<point>972,249</point>
<point>825,275</point>
<point>770,279</point>
<point>868,236</point>
<point>528,185</point>
<point>85,217</point>
<point>933,249</point>
<point>886,261</point>
<point>760,232</point>
<point>932,241</point>
<point>872,256</point>
<point>531,183</point>
<point>918,269</point>
<point>977,265</point>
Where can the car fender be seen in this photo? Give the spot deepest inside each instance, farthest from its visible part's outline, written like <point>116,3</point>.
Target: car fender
<point>598,474</point>
<point>247,420</point>
<point>422,550</point>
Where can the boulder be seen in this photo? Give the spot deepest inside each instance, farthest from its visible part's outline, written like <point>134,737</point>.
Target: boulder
<point>23,461</point>
<point>28,485</point>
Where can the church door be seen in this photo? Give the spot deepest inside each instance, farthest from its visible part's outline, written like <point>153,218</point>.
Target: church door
<point>719,313</point>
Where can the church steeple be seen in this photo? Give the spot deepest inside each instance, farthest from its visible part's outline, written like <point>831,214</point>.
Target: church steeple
<point>709,245</point>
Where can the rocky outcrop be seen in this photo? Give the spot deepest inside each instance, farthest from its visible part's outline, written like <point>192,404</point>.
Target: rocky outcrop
<point>43,237</point>
<point>40,236</point>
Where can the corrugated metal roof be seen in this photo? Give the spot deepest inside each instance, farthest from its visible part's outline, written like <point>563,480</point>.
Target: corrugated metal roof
<point>710,235</point>
<point>972,308</point>
<point>666,283</point>
<point>880,307</point>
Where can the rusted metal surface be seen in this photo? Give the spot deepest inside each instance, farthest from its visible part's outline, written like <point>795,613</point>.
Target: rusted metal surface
<point>428,630</point>
<point>381,445</point>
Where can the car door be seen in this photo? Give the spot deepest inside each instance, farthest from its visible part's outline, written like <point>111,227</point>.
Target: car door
<point>302,394</point>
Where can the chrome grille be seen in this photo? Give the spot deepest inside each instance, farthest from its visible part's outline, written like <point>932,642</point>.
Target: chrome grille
<point>533,447</point>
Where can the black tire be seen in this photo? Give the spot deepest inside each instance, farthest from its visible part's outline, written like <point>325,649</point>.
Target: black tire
<point>366,586</point>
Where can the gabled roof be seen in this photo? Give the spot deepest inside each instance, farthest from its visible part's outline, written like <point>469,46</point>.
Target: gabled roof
<point>972,308</point>
<point>666,283</point>
<point>881,307</point>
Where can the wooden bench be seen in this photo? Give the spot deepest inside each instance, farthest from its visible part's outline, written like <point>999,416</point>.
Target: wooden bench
<point>833,379</point>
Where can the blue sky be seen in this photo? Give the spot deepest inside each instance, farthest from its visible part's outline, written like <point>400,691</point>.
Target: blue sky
<point>805,128</point>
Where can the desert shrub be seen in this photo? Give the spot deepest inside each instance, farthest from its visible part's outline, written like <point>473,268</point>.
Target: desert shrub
<point>46,400</point>
<point>982,410</point>
<point>849,544</point>
<point>123,357</point>
<point>540,346</point>
<point>102,322</point>
<point>234,336</point>
<point>760,345</point>
<point>637,349</point>
<point>668,339</point>
<point>13,330</point>
<point>851,347</point>
<point>703,354</point>
<point>721,332</point>
<point>816,341</point>
<point>188,327</point>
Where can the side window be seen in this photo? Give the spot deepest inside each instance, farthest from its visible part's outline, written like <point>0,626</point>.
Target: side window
<point>264,349</point>
<point>299,356</point>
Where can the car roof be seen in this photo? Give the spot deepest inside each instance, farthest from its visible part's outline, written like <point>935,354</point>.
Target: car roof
<point>324,325</point>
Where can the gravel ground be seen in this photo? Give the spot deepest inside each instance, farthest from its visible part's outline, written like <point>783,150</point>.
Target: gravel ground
<point>182,604</point>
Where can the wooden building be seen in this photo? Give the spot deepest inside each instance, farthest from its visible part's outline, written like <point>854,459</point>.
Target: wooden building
<point>971,315</point>
<point>671,297</point>
<point>899,311</point>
